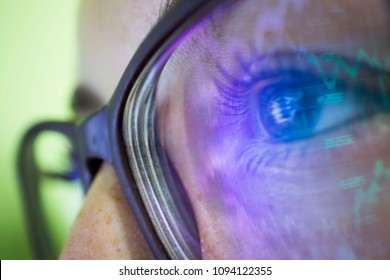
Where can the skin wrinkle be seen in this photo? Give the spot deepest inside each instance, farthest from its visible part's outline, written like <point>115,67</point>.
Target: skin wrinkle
<point>199,163</point>
<point>221,235</point>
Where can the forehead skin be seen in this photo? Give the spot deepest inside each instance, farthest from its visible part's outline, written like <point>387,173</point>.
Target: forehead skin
<point>110,32</point>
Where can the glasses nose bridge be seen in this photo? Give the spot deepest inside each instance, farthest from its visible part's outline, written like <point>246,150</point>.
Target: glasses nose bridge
<point>92,145</point>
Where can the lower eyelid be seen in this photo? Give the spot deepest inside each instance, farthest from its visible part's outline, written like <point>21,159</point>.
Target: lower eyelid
<point>317,152</point>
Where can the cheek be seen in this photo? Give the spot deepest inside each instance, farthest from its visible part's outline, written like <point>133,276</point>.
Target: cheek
<point>319,203</point>
<point>105,227</point>
<point>327,203</point>
<point>326,198</point>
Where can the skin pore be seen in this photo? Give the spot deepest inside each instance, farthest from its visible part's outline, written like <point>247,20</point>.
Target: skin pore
<point>110,33</point>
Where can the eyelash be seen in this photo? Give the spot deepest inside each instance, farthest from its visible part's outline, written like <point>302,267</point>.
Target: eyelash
<point>235,101</point>
<point>234,97</point>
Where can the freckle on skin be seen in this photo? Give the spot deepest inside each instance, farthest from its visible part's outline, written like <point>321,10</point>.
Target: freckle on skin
<point>108,219</point>
<point>107,231</point>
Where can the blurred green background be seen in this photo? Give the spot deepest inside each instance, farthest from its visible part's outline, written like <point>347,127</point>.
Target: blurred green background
<point>37,76</point>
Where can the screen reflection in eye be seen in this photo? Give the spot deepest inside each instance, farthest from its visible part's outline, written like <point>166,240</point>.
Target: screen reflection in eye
<point>296,97</point>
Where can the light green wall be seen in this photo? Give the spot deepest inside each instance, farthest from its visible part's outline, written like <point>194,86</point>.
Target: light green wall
<point>37,75</point>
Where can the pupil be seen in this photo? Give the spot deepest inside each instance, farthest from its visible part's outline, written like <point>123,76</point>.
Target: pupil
<point>290,115</point>
<point>284,108</point>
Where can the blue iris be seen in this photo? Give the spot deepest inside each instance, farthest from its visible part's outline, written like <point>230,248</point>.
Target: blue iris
<point>290,109</point>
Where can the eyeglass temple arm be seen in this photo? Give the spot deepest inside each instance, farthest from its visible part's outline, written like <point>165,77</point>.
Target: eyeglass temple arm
<point>42,244</point>
<point>90,141</point>
<point>92,145</point>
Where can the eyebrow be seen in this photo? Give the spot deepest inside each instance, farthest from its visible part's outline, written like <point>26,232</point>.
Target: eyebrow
<point>84,101</point>
<point>166,7</point>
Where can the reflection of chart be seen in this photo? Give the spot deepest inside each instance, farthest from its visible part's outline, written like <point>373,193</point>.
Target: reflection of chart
<point>341,65</point>
<point>336,67</point>
<point>370,196</point>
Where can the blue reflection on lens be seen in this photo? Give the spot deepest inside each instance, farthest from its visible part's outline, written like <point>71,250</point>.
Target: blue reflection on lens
<point>290,108</point>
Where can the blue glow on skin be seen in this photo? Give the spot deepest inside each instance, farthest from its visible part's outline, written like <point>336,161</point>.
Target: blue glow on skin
<point>274,183</point>
<point>371,195</point>
<point>274,208</point>
<point>303,97</point>
<point>345,253</point>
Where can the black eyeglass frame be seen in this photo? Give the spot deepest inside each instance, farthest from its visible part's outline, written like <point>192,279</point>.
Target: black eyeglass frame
<point>100,137</point>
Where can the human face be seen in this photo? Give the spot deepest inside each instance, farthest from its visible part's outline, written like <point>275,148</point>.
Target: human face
<point>296,221</point>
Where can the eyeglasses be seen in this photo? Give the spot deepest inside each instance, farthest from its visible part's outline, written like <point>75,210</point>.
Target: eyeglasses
<point>255,106</point>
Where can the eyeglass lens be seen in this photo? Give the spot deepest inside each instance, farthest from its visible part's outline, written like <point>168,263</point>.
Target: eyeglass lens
<point>276,117</point>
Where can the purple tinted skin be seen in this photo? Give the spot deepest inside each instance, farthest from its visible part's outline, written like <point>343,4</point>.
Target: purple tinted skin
<point>278,125</point>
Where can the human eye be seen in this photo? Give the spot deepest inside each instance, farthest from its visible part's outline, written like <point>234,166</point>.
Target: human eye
<point>282,133</point>
<point>303,96</point>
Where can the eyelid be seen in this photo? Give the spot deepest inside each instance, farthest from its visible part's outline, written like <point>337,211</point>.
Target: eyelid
<point>234,89</point>
<point>236,92</point>
<point>366,100</point>
<point>280,60</point>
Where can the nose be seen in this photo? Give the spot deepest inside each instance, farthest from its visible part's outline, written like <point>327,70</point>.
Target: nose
<point>105,227</point>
